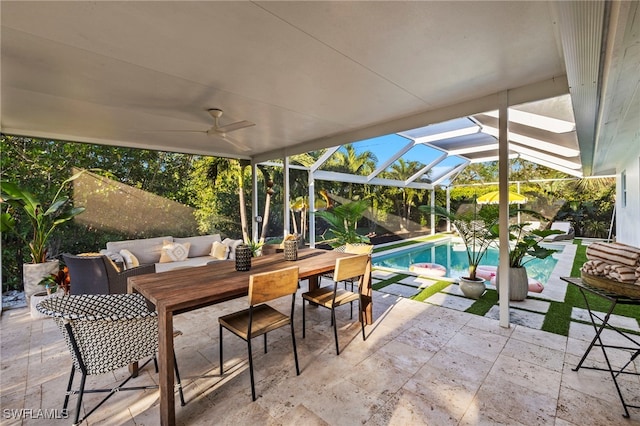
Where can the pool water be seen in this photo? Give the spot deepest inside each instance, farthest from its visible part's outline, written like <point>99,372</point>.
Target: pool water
<point>454,257</point>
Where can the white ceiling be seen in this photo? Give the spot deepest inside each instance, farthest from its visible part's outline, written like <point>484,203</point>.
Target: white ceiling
<point>308,74</point>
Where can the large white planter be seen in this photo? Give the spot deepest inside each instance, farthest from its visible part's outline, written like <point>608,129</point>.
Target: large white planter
<point>472,289</point>
<point>33,273</point>
<point>518,283</point>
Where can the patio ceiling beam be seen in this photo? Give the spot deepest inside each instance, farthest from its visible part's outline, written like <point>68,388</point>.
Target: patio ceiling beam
<point>545,157</point>
<point>426,168</point>
<point>276,164</point>
<point>542,162</point>
<point>347,178</point>
<point>474,149</point>
<point>391,160</point>
<point>324,157</point>
<point>455,170</point>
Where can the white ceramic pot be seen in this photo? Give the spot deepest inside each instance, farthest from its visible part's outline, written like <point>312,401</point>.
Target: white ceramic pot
<point>472,289</point>
<point>33,273</point>
<point>35,299</point>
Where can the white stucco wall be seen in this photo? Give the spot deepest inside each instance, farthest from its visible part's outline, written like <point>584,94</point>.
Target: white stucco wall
<point>628,217</point>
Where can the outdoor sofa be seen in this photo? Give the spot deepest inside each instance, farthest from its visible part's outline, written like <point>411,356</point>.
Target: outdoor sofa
<point>168,253</point>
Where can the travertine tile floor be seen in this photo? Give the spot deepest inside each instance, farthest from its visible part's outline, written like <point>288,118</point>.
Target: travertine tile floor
<point>421,364</point>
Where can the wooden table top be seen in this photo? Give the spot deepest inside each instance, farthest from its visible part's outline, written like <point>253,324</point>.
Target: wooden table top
<point>182,290</point>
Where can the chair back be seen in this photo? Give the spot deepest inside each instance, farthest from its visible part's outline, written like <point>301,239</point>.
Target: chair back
<point>267,286</point>
<point>89,274</point>
<point>104,332</point>
<point>351,267</point>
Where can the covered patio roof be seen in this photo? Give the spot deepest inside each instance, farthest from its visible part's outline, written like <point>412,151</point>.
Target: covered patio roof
<point>314,75</point>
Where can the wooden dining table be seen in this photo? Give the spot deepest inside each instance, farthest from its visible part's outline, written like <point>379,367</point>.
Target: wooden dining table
<point>182,290</point>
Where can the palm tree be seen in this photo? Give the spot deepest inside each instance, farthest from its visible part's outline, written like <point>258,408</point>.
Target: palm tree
<point>219,165</point>
<point>402,170</point>
<point>348,160</point>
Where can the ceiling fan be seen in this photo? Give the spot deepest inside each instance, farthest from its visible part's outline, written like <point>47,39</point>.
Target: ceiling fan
<point>220,132</point>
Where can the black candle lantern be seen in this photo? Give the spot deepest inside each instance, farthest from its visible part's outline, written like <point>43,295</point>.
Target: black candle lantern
<point>243,257</point>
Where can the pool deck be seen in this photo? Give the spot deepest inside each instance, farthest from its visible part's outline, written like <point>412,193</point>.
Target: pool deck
<point>529,312</point>
<point>423,363</point>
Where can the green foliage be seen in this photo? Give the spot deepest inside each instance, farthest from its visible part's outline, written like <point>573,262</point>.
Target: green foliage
<point>474,228</point>
<point>255,246</point>
<point>524,245</point>
<point>343,222</point>
<point>44,219</point>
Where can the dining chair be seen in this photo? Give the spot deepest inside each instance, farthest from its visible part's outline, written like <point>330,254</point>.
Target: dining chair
<point>331,297</point>
<point>260,318</point>
<point>104,333</point>
<point>97,274</point>
<point>351,248</point>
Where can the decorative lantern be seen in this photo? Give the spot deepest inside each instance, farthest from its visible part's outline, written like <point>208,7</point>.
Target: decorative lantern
<point>291,250</point>
<point>243,257</point>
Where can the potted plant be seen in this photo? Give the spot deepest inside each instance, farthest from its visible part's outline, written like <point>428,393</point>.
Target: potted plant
<point>343,223</point>
<point>523,248</point>
<point>44,220</point>
<point>256,247</point>
<point>476,234</point>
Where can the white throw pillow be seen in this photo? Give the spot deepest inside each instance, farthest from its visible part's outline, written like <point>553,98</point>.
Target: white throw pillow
<point>219,251</point>
<point>129,259</point>
<point>232,244</point>
<point>174,252</point>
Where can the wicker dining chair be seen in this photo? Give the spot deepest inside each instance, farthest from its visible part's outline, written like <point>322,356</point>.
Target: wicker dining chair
<point>260,318</point>
<point>331,297</point>
<point>97,274</point>
<point>104,333</point>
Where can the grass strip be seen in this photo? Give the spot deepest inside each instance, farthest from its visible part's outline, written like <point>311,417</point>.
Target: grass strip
<point>410,242</point>
<point>384,283</point>
<point>434,288</point>
<point>482,305</point>
<point>558,318</point>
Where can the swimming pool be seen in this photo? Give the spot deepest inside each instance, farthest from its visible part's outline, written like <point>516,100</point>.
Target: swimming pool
<point>453,256</point>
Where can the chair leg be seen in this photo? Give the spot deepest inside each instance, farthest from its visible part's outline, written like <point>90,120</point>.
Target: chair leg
<point>265,342</point>
<point>79,403</point>
<point>361,316</point>
<point>295,350</point>
<point>304,324</point>
<point>221,363</point>
<point>253,388</point>
<point>335,329</point>
<point>66,396</point>
<point>175,367</point>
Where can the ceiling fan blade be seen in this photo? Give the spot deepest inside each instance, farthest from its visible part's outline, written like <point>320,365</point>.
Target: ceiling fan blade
<point>234,142</point>
<point>176,131</point>
<point>234,126</point>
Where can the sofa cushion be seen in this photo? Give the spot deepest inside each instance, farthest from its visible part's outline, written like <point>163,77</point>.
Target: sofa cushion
<point>174,252</point>
<point>190,262</point>
<point>232,244</point>
<point>130,260</point>
<point>200,245</point>
<point>147,250</point>
<point>219,251</point>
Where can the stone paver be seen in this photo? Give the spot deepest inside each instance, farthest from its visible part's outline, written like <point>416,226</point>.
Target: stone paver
<point>400,290</point>
<point>421,364</point>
